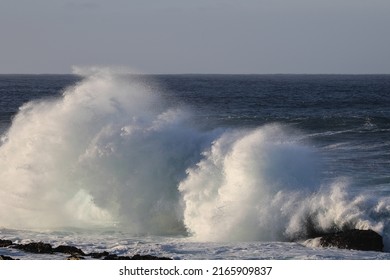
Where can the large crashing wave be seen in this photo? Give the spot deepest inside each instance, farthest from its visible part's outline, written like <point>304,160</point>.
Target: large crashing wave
<point>264,185</point>
<point>106,152</point>
<point>109,153</point>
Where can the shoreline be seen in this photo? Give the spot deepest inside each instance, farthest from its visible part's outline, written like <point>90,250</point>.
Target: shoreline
<point>351,240</point>
<point>69,252</point>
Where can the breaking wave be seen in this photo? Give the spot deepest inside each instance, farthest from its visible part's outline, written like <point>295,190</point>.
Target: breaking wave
<point>110,153</point>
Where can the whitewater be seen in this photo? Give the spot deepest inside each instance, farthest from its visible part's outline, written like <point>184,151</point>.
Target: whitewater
<point>112,164</point>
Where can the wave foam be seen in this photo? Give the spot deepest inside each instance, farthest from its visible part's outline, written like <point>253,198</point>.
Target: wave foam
<point>108,152</point>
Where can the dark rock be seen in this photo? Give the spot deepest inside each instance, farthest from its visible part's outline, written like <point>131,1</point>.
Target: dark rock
<point>75,257</point>
<point>74,252</point>
<point>5,243</point>
<point>2,257</point>
<point>355,239</point>
<point>148,257</point>
<point>35,247</point>
<point>116,257</point>
<point>99,255</point>
<point>135,257</point>
<point>69,250</point>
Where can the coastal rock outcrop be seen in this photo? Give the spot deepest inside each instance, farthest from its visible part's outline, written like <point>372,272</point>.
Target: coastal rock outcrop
<point>5,243</point>
<point>354,239</point>
<point>74,252</point>
<point>35,247</point>
<point>5,258</point>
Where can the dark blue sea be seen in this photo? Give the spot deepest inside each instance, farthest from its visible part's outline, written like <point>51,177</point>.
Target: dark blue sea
<point>195,166</point>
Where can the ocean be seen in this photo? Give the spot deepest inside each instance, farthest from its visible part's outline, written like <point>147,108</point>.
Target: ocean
<point>194,166</point>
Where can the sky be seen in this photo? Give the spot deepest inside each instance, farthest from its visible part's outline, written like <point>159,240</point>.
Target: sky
<point>196,36</point>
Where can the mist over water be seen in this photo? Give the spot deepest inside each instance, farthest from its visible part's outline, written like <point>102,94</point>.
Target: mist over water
<point>111,153</point>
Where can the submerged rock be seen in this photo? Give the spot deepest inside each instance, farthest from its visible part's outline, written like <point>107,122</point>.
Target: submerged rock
<point>355,239</point>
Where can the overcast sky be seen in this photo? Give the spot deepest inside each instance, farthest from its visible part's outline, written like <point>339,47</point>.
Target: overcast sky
<point>196,36</point>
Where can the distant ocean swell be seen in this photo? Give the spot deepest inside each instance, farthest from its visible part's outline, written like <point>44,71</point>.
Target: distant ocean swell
<point>109,153</point>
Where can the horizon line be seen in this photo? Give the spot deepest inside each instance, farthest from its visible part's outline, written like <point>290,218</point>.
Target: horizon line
<point>210,74</point>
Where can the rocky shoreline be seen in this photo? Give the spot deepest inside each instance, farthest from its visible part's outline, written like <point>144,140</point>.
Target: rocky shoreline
<point>73,252</point>
<point>354,239</point>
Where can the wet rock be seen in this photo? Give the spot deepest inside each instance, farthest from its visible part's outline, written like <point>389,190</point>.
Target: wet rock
<point>116,257</point>
<point>35,247</point>
<point>69,250</point>
<point>135,257</point>
<point>74,252</point>
<point>99,255</point>
<point>75,257</point>
<point>355,239</point>
<point>5,243</point>
<point>148,257</point>
<point>2,257</point>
